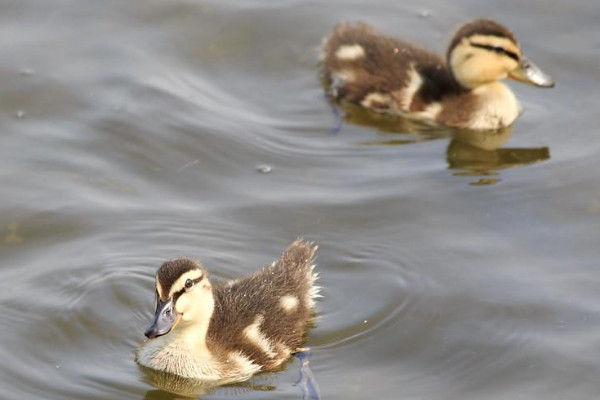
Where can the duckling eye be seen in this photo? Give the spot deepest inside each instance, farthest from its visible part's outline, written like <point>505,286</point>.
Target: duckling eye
<point>189,283</point>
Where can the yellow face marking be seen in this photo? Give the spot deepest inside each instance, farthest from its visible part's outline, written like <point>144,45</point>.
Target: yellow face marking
<point>180,282</point>
<point>496,41</point>
<point>159,289</point>
<point>176,321</point>
<point>473,66</point>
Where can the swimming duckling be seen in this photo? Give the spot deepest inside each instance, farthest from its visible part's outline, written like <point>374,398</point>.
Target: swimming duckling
<point>385,74</point>
<point>227,332</point>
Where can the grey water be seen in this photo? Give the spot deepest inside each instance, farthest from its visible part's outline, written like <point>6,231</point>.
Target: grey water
<point>452,267</point>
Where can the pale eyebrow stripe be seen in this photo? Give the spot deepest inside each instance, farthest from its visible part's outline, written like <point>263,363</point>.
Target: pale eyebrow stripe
<point>158,288</point>
<point>180,282</point>
<point>182,290</point>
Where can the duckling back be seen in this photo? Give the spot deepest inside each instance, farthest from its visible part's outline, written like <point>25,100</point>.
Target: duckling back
<point>263,318</point>
<point>382,73</point>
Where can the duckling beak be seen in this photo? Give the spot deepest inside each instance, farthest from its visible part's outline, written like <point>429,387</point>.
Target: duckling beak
<point>163,320</point>
<point>530,73</point>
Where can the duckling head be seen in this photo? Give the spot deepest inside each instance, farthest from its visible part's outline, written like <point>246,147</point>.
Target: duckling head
<point>183,295</point>
<point>483,51</point>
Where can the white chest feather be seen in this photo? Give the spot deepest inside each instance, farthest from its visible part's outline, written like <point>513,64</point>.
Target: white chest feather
<point>178,358</point>
<point>498,107</point>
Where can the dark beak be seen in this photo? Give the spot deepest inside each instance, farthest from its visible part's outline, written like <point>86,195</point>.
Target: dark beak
<point>164,319</point>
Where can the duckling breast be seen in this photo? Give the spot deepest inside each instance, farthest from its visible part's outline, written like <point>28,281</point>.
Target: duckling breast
<point>488,107</point>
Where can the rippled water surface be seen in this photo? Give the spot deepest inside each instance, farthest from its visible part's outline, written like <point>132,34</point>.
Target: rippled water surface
<point>453,267</point>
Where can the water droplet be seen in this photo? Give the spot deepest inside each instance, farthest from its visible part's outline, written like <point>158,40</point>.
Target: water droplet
<point>20,114</point>
<point>26,71</point>
<point>264,169</point>
<point>424,14</point>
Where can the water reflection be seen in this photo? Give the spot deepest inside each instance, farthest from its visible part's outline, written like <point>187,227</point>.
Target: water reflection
<point>172,386</point>
<point>480,154</point>
<point>307,381</point>
<point>177,386</point>
<point>472,153</point>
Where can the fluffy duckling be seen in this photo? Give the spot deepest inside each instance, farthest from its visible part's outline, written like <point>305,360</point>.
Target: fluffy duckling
<point>226,332</point>
<point>385,74</point>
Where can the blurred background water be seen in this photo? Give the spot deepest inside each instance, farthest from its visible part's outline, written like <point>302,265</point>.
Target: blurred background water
<point>132,132</point>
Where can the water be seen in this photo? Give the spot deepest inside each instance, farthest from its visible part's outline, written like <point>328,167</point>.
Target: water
<point>137,131</point>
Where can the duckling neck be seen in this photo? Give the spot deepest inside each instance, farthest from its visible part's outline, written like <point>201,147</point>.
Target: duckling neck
<point>191,332</point>
<point>490,106</point>
<point>184,350</point>
<point>499,105</point>
<point>192,335</point>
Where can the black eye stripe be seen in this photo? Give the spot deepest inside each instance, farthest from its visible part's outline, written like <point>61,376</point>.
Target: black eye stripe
<point>197,280</point>
<point>496,49</point>
<point>178,293</point>
<point>182,290</point>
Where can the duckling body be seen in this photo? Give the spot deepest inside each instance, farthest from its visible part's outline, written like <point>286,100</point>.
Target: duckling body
<point>389,75</point>
<point>232,330</point>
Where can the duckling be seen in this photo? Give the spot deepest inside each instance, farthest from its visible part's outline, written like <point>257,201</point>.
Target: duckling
<point>226,332</point>
<point>388,75</point>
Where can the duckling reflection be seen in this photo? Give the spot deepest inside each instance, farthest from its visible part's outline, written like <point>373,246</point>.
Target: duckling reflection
<point>307,380</point>
<point>414,130</point>
<point>174,384</point>
<point>479,153</point>
<point>181,387</point>
<point>475,153</point>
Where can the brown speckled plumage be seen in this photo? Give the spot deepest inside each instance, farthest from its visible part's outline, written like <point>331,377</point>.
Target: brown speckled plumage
<point>230,330</point>
<point>385,66</point>
<point>238,304</point>
<point>389,75</point>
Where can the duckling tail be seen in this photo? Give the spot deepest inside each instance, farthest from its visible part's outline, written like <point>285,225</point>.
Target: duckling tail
<point>299,258</point>
<point>300,253</point>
